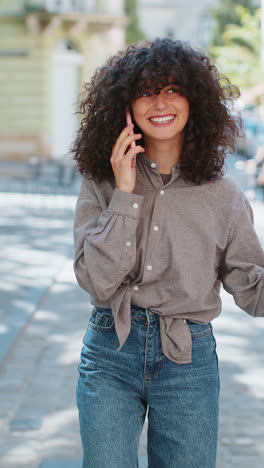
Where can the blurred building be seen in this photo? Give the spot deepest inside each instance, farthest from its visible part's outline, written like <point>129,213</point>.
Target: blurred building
<point>48,49</point>
<point>188,20</point>
<point>262,33</point>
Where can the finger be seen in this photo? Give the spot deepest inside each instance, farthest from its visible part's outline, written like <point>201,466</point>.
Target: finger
<point>124,146</point>
<point>120,150</point>
<point>126,158</point>
<point>132,152</point>
<point>133,158</point>
<point>125,132</point>
<point>125,137</point>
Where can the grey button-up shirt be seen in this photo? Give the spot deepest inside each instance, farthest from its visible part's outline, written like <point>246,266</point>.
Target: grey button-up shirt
<point>167,248</point>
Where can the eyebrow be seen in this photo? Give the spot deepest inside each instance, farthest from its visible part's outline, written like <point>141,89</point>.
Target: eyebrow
<point>159,88</point>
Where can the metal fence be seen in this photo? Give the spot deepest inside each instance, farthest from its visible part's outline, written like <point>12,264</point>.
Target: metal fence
<point>54,177</point>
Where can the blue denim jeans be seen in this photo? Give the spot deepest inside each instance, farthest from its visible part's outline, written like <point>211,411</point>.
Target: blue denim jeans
<point>116,388</point>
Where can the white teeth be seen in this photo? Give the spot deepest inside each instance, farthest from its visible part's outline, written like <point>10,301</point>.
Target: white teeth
<point>161,119</point>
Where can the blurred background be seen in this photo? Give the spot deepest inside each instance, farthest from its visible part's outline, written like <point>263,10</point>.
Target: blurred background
<point>48,50</point>
<point>42,42</point>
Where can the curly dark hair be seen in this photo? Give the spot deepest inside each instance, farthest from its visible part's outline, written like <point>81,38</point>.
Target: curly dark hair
<point>210,132</point>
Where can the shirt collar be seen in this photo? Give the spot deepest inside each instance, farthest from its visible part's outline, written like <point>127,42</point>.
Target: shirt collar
<point>153,165</point>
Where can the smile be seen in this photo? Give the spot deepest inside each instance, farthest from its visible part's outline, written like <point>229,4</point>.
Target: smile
<point>159,121</point>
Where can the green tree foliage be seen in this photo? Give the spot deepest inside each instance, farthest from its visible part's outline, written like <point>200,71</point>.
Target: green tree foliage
<point>226,13</point>
<point>133,32</point>
<point>238,55</point>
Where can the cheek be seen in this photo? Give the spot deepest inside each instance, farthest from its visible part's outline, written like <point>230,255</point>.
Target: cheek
<point>185,106</point>
<point>138,115</point>
<point>136,108</point>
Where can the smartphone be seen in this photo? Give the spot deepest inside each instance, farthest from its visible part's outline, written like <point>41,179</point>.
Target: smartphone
<point>133,144</point>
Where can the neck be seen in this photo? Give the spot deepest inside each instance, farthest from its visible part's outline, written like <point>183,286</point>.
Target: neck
<point>165,153</point>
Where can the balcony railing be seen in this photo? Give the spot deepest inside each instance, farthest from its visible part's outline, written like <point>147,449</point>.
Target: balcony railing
<point>64,6</point>
<point>42,17</point>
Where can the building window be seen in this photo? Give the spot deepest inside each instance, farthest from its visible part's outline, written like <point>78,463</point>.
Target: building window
<point>65,44</point>
<point>67,6</point>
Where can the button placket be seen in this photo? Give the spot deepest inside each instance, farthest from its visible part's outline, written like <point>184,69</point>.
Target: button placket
<point>153,240</point>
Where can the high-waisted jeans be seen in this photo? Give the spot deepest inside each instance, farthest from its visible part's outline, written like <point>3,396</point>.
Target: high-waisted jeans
<point>116,388</point>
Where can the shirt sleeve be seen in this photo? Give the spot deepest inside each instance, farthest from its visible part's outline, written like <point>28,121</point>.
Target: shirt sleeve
<point>105,239</point>
<point>242,271</point>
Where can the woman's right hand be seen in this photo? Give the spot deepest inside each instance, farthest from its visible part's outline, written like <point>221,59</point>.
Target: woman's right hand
<point>121,159</point>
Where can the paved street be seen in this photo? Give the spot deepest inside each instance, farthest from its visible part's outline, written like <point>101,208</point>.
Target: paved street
<point>44,315</point>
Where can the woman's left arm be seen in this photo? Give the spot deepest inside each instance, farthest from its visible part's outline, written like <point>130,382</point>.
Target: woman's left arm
<point>242,269</point>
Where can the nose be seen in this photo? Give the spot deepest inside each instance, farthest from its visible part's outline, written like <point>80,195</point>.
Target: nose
<point>159,101</point>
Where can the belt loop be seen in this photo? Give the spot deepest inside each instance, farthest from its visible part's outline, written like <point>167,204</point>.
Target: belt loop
<point>147,316</point>
<point>151,313</point>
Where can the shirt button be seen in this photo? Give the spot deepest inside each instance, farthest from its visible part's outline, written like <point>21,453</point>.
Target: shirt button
<point>149,267</point>
<point>153,165</point>
<point>128,244</point>
<point>135,205</point>
<point>136,288</point>
<point>162,192</point>
<point>156,228</point>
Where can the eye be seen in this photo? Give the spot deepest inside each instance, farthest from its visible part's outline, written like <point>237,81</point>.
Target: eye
<point>145,94</point>
<point>174,89</point>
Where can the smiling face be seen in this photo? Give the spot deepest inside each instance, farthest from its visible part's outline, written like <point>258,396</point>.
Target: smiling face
<point>162,114</point>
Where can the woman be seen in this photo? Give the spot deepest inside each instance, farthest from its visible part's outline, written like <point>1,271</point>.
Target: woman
<point>153,242</point>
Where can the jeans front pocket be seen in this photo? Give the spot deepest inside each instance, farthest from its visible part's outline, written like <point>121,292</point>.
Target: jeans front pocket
<point>199,329</point>
<point>203,342</point>
<point>101,319</point>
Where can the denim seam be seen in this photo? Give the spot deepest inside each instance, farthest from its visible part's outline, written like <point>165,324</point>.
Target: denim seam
<point>203,333</point>
<point>100,327</point>
<point>98,314</point>
<point>149,376</point>
<point>141,318</point>
<point>145,359</point>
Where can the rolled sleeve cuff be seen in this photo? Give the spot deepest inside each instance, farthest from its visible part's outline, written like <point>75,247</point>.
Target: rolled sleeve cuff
<point>125,203</point>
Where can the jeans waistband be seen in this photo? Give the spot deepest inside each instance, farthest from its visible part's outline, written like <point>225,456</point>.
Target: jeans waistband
<point>142,312</point>
<point>137,311</point>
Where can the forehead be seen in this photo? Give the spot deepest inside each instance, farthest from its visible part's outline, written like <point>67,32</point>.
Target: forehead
<point>153,81</point>
<point>155,84</point>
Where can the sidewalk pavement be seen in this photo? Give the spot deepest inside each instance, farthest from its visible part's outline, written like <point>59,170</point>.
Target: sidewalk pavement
<point>44,318</point>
